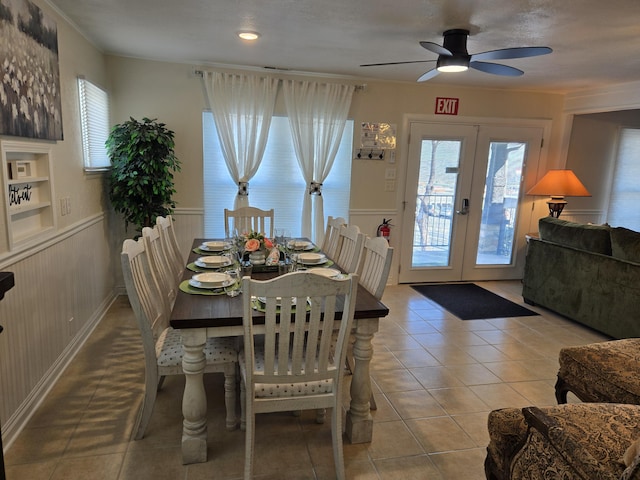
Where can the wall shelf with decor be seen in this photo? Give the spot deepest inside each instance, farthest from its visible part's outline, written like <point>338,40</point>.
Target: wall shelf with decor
<point>28,192</point>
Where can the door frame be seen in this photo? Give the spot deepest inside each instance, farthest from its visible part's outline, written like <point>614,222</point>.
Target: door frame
<point>531,174</point>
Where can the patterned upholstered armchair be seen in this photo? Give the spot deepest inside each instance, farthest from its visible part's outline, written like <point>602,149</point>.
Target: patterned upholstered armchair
<point>574,441</point>
<point>601,372</point>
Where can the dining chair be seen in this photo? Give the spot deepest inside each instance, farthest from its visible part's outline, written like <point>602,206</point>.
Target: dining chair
<point>373,273</point>
<point>331,234</point>
<point>170,245</point>
<point>291,360</point>
<point>160,265</point>
<point>246,219</point>
<point>162,345</point>
<point>350,246</point>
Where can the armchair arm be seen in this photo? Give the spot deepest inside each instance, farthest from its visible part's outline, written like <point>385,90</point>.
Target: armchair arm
<point>571,449</point>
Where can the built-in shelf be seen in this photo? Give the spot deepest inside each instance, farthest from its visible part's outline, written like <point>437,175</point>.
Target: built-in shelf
<point>28,191</point>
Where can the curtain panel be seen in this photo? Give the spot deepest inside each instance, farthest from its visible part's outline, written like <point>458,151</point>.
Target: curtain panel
<point>317,114</point>
<point>242,107</point>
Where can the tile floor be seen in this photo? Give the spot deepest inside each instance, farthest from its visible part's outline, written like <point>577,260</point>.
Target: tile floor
<point>435,379</point>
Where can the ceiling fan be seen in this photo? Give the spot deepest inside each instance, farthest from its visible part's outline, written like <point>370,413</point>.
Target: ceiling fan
<point>453,56</point>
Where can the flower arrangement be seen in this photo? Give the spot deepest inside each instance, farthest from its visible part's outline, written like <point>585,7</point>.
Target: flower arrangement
<point>254,241</point>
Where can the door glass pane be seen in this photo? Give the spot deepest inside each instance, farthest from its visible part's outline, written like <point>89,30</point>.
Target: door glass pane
<point>437,181</point>
<point>500,203</point>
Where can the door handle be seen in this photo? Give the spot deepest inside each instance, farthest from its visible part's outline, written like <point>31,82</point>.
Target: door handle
<point>465,207</point>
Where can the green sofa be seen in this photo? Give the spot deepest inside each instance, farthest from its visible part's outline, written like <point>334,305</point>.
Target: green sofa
<point>588,273</point>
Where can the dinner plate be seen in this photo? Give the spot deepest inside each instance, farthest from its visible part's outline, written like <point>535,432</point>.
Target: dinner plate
<point>263,300</point>
<point>300,245</point>
<point>213,261</point>
<point>312,258</point>
<point>210,280</point>
<point>214,246</point>
<point>325,272</point>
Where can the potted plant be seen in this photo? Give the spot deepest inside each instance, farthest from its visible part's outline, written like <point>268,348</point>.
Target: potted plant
<point>143,163</point>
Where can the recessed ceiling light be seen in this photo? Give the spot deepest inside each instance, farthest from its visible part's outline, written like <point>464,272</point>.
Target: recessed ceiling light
<point>247,35</point>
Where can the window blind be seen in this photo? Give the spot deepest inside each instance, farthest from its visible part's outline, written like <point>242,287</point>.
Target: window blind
<point>625,189</point>
<point>94,118</point>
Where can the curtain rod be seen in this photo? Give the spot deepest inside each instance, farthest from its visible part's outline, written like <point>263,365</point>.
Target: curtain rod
<point>358,88</point>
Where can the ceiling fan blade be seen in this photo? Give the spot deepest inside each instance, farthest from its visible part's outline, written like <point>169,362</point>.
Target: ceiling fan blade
<point>435,48</point>
<point>496,69</point>
<point>428,75</point>
<point>507,53</point>
<point>394,63</point>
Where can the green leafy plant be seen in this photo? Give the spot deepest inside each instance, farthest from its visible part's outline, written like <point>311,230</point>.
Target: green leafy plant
<point>143,162</point>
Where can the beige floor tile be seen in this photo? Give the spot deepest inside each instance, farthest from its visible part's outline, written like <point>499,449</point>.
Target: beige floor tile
<point>416,358</point>
<point>393,439</point>
<point>474,374</point>
<point>458,400</point>
<point>395,380</point>
<point>475,425</point>
<point>435,377</point>
<point>461,465</point>
<point>440,434</point>
<point>499,395</point>
<point>418,467</point>
<point>415,404</point>
<point>95,467</point>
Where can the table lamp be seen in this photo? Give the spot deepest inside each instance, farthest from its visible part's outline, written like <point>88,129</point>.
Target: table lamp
<point>559,184</point>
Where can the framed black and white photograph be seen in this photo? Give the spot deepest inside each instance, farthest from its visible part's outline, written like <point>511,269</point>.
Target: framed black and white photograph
<point>30,103</point>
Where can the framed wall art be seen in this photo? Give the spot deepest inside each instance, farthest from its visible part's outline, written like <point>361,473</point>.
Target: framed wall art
<point>30,103</point>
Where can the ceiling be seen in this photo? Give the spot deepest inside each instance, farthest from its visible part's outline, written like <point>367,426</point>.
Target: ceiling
<point>594,43</point>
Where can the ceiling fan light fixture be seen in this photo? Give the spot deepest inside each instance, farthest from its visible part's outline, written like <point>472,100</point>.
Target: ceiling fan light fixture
<point>248,35</point>
<point>448,64</point>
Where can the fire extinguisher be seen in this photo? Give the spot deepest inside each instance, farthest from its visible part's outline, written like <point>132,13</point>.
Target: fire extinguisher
<point>384,229</point>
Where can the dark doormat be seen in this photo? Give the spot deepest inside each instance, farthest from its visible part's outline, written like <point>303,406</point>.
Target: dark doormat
<point>468,301</point>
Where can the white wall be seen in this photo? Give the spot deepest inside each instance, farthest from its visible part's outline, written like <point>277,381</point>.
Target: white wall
<point>64,283</point>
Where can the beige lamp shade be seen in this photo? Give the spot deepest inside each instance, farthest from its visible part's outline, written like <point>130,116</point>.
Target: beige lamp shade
<point>559,184</point>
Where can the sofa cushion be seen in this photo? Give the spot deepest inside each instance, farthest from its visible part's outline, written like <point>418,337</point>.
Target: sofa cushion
<point>625,244</point>
<point>592,238</point>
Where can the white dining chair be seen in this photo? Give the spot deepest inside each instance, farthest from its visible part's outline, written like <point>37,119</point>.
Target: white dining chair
<point>350,245</point>
<point>373,274</point>
<point>170,245</point>
<point>162,345</point>
<point>291,359</point>
<point>246,219</point>
<point>160,265</point>
<point>331,235</point>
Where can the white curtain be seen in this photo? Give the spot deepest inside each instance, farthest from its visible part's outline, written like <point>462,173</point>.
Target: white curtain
<point>317,115</point>
<point>242,107</point>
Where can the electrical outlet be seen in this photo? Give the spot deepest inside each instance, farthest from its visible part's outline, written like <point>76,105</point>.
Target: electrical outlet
<point>390,186</point>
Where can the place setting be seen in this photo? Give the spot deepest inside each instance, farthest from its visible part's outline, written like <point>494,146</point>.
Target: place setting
<point>213,283</point>
<point>211,262</point>
<point>213,246</point>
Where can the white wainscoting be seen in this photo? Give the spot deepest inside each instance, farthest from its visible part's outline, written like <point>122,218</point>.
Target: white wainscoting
<point>63,287</point>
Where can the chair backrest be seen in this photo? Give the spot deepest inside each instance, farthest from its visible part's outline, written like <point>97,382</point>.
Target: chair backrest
<point>331,234</point>
<point>170,245</point>
<point>160,265</point>
<point>144,295</point>
<point>246,219</point>
<point>350,245</point>
<point>375,265</point>
<point>308,350</point>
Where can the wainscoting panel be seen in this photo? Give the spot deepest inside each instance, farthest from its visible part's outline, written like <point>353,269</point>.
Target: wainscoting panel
<point>62,289</point>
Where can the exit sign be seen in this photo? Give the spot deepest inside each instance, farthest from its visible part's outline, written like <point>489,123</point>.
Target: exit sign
<point>447,106</point>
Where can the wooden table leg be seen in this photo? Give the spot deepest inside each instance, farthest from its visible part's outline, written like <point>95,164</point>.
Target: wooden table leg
<point>194,400</point>
<point>359,423</point>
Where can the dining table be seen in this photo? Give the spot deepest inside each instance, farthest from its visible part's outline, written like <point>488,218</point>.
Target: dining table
<point>200,315</point>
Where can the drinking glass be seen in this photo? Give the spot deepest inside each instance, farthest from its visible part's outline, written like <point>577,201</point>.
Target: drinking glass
<point>233,289</point>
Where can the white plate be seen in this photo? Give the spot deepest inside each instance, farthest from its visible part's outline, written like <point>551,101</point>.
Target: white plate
<point>211,280</point>
<point>214,246</point>
<point>325,272</point>
<point>263,300</point>
<point>213,261</point>
<point>312,258</point>
<point>300,245</point>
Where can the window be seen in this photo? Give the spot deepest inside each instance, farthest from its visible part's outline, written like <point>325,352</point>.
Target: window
<point>278,184</point>
<point>94,118</point>
<point>625,189</point>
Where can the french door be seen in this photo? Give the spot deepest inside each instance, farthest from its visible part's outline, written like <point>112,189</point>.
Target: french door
<point>462,218</point>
